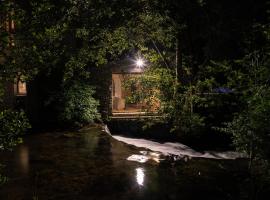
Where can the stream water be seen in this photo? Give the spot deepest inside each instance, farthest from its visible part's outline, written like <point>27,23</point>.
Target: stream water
<point>91,164</point>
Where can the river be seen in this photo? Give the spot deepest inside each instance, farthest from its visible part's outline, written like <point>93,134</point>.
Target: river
<point>91,164</point>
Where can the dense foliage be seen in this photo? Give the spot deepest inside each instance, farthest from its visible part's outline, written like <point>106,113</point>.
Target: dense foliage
<point>68,38</point>
<point>202,55</point>
<point>12,126</point>
<point>250,126</point>
<point>61,41</point>
<point>158,92</point>
<point>78,105</point>
<point>76,35</point>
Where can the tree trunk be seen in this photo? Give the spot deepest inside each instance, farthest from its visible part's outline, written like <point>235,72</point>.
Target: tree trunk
<point>178,64</point>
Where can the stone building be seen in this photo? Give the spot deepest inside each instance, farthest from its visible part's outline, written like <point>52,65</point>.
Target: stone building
<point>113,93</point>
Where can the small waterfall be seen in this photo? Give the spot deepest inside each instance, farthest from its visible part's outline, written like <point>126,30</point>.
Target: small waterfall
<point>106,129</point>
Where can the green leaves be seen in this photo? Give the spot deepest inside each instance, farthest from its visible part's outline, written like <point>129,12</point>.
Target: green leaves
<point>76,35</point>
<point>250,128</point>
<point>12,126</point>
<point>78,105</point>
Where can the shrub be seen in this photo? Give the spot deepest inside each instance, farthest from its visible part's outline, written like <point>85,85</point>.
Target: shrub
<point>251,134</point>
<point>181,113</point>
<point>79,106</point>
<point>13,125</point>
<point>250,128</point>
<point>175,103</point>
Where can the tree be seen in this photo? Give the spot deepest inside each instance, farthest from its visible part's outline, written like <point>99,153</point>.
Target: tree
<point>59,42</point>
<point>72,36</point>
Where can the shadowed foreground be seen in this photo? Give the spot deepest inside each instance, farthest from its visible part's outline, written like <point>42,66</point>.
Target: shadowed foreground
<point>92,165</point>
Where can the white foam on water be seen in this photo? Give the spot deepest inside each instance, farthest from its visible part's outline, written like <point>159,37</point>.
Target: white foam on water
<point>138,158</point>
<point>176,149</point>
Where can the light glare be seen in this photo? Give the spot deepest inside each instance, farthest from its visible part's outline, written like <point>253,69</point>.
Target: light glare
<point>139,63</point>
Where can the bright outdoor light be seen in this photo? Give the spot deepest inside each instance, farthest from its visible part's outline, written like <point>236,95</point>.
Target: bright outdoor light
<point>139,63</point>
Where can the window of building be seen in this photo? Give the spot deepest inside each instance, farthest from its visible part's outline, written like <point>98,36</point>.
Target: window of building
<point>20,88</point>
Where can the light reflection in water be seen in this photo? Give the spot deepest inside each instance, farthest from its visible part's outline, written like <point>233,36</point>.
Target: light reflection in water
<point>140,176</point>
<point>24,159</point>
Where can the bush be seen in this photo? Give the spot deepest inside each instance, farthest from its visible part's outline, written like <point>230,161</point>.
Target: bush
<point>175,103</point>
<point>250,132</point>
<point>79,106</point>
<point>13,125</point>
<point>185,121</point>
<point>250,128</point>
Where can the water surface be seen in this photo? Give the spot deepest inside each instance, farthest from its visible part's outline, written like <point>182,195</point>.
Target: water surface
<point>90,164</point>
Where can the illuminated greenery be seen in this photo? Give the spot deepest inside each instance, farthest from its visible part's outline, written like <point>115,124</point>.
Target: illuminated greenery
<point>78,105</point>
<point>200,56</point>
<point>74,36</point>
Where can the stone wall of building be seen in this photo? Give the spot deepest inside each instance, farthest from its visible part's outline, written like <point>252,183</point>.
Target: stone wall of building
<point>101,78</point>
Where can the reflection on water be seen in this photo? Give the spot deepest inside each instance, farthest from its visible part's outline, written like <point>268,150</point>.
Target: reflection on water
<point>92,165</point>
<point>140,176</point>
<point>24,159</point>
<point>146,155</point>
